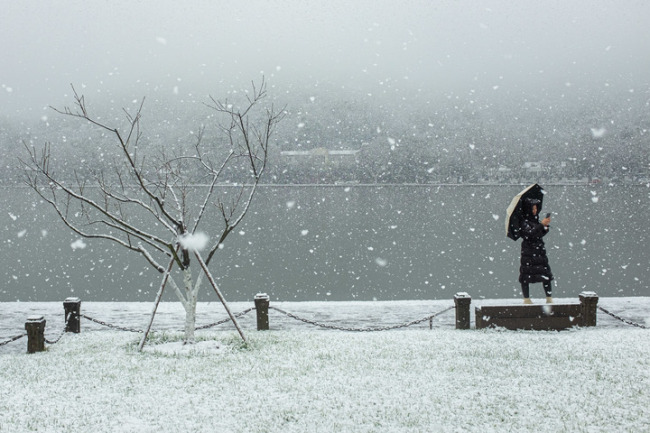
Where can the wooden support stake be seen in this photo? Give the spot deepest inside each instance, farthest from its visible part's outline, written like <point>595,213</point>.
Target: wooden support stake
<point>161,289</point>
<point>216,289</point>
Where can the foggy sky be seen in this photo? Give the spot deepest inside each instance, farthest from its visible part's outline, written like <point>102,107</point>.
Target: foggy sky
<point>129,49</point>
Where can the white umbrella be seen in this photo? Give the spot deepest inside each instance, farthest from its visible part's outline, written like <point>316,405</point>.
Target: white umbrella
<point>514,211</point>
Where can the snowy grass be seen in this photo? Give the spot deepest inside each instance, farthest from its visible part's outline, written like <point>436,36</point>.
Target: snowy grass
<point>583,380</point>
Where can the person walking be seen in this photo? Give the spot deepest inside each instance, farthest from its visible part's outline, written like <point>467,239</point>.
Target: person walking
<point>534,262</point>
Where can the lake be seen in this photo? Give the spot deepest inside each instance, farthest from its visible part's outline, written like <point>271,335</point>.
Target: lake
<point>352,242</point>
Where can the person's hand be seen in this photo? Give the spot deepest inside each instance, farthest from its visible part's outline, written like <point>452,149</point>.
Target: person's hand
<point>546,221</point>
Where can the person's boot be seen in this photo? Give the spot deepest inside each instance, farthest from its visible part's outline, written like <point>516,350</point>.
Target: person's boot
<point>549,300</point>
<point>527,301</point>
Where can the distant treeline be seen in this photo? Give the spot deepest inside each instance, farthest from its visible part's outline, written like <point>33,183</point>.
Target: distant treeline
<point>410,139</point>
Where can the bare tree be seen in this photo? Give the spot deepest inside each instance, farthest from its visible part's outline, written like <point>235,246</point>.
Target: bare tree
<point>157,204</point>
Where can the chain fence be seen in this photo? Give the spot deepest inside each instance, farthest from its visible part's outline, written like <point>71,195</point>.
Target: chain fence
<point>628,322</point>
<point>56,340</point>
<point>17,337</point>
<point>117,327</point>
<point>294,317</point>
<point>351,329</point>
<point>226,320</point>
<point>243,313</point>
<point>109,325</point>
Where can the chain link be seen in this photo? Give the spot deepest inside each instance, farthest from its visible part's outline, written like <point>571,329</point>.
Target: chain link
<point>17,337</point>
<point>372,329</point>
<point>221,322</point>
<point>226,320</point>
<point>638,325</point>
<point>121,328</point>
<point>56,340</point>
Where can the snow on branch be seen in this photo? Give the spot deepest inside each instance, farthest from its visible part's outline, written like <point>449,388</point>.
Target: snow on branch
<point>194,242</point>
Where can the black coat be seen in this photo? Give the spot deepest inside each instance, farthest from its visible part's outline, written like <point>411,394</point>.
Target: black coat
<point>534,263</point>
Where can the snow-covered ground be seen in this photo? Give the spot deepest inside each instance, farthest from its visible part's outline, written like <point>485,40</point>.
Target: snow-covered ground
<point>299,378</point>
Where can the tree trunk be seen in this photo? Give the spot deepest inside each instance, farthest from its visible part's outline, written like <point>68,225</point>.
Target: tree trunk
<point>190,307</point>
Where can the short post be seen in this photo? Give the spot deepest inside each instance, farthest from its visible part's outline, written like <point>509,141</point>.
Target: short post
<point>72,308</point>
<point>588,308</point>
<point>462,301</point>
<point>262,308</point>
<point>35,327</point>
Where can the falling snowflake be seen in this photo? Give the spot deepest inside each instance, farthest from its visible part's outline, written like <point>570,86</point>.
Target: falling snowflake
<point>196,241</point>
<point>79,244</point>
<point>598,132</point>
